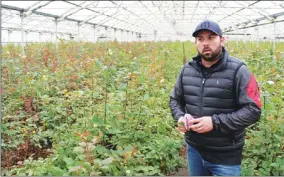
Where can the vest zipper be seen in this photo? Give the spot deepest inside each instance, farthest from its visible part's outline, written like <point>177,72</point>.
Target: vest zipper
<point>207,76</point>
<point>201,100</point>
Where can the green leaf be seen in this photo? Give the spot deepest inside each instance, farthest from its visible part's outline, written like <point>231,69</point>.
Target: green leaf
<point>97,120</point>
<point>56,171</point>
<point>81,156</point>
<point>69,161</point>
<point>98,63</point>
<point>116,172</point>
<point>75,168</point>
<point>97,163</point>
<point>146,96</point>
<point>87,165</point>
<point>128,148</point>
<point>79,150</point>
<point>279,161</point>
<point>107,161</point>
<point>106,73</point>
<point>274,164</point>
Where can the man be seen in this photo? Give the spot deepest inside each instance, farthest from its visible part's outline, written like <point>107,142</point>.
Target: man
<point>214,99</point>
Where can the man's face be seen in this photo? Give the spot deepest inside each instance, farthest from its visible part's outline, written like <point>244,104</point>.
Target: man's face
<point>209,45</point>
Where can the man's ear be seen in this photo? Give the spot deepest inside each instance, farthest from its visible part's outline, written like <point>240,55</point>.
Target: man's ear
<point>223,39</point>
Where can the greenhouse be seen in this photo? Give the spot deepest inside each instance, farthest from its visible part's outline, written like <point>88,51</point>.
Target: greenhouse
<point>95,88</point>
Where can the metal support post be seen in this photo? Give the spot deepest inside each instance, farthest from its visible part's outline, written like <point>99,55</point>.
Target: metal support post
<point>78,31</point>
<point>51,37</point>
<point>95,40</point>
<point>155,35</point>
<point>56,41</point>
<point>245,38</point>
<point>22,33</point>
<point>26,37</point>
<point>115,33</point>
<point>9,35</point>
<point>238,37</point>
<point>274,35</point>
<point>39,36</point>
<point>257,36</point>
<point>121,36</point>
<point>106,33</point>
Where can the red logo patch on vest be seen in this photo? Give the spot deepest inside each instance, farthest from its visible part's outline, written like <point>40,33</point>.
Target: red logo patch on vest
<point>253,91</point>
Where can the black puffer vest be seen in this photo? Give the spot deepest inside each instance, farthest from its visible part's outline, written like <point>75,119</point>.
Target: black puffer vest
<point>212,94</point>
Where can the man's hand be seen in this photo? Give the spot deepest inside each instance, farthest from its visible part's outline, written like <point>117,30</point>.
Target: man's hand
<point>201,125</point>
<point>183,123</point>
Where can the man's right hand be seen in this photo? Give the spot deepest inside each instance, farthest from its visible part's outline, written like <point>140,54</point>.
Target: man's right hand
<point>183,125</point>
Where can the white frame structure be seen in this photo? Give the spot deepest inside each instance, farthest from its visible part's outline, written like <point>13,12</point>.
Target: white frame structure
<point>140,20</point>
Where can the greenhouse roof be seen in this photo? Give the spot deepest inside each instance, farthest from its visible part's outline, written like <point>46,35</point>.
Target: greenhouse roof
<point>164,18</point>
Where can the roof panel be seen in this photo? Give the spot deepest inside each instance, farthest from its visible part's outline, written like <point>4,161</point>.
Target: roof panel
<point>167,17</point>
<point>56,8</point>
<point>82,14</point>
<point>273,11</point>
<point>98,19</point>
<point>20,4</point>
<point>264,4</point>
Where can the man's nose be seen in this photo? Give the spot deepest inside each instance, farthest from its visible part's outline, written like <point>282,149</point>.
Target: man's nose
<point>205,42</point>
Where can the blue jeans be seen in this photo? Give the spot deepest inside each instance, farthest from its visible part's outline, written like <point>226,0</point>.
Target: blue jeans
<point>197,166</point>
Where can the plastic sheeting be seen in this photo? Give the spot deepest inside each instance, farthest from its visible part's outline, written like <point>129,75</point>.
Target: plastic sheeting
<point>172,20</point>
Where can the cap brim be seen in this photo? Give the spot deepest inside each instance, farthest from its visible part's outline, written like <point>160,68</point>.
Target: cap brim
<point>196,32</point>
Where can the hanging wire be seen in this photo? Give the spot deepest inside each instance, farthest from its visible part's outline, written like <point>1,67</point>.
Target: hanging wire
<point>222,3</point>
<point>103,21</point>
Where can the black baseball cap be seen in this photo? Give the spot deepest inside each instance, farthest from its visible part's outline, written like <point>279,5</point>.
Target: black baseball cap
<point>207,25</point>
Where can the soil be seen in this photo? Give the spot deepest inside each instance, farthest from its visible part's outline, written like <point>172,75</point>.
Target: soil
<point>17,156</point>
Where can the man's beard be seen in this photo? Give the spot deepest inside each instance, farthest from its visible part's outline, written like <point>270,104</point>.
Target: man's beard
<point>211,57</point>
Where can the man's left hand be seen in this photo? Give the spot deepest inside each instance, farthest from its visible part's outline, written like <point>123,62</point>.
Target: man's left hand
<point>202,124</point>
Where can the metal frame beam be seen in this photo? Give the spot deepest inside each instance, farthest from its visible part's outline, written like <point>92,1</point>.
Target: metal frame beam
<point>248,7</point>
<point>254,25</point>
<point>124,8</point>
<point>256,20</point>
<point>73,10</point>
<point>211,12</point>
<point>243,8</point>
<point>91,17</point>
<point>150,11</point>
<point>167,14</point>
<point>243,34</point>
<point>174,7</point>
<point>35,31</point>
<point>6,17</point>
<point>52,15</point>
<point>194,11</point>
<point>30,10</point>
<point>106,19</point>
<point>98,13</point>
<point>155,16</point>
<point>166,18</point>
